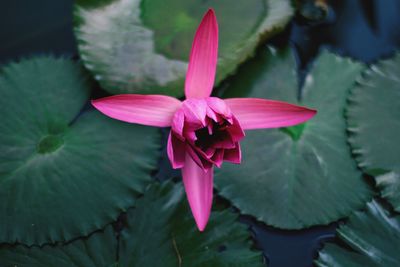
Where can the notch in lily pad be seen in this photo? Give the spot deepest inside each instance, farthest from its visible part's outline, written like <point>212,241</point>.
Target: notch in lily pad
<point>294,132</point>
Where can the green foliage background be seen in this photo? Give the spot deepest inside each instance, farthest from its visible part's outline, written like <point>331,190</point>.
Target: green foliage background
<point>77,188</point>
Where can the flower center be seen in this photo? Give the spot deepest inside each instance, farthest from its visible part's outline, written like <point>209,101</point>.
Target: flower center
<point>208,136</point>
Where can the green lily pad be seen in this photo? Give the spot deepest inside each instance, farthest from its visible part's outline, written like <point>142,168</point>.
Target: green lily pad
<point>160,231</point>
<point>389,185</point>
<point>373,237</point>
<point>162,224</point>
<point>134,46</point>
<point>373,118</point>
<point>64,175</point>
<point>99,250</point>
<point>304,175</point>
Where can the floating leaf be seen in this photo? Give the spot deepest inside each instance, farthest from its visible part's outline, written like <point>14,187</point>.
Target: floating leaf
<point>389,184</point>
<point>160,232</point>
<point>99,250</point>
<point>374,125</point>
<point>143,46</point>
<point>162,224</point>
<point>299,176</point>
<point>374,107</point>
<point>373,237</point>
<point>63,175</point>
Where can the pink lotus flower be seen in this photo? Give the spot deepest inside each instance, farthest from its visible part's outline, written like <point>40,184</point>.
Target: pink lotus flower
<point>205,131</point>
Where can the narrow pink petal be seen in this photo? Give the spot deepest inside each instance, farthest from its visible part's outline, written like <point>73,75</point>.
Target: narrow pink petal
<point>256,113</point>
<point>176,151</point>
<point>199,191</point>
<point>203,58</point>
<point>152,110</point>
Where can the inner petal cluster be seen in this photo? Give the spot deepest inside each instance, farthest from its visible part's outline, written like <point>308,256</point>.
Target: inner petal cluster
<point>207,130</point>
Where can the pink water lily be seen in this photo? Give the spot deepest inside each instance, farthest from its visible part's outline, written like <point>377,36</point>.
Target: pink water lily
<point>205,131</point>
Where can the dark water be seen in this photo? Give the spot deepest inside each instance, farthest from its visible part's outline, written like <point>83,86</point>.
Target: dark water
<point>35,27</point>
<point>365,30</point>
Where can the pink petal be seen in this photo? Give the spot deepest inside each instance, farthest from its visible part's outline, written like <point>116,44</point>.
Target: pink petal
<point>178,122</point>
<point>152,110</point>
<point>233,155</point>
<point>212,115</point>
<point>199,190</point>
<point>226,143</point>
<point>236,131</point>
<point>218,158</point>
<point>203,58</point>
<point>208,153</point>
<point>176,151</point>
<point>256,113</point>
<point>195,111</point>
<point>202,163</point>
<point>219,106</point>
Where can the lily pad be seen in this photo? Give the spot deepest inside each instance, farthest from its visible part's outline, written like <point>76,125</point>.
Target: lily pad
<point>64,174</point>
<point>99,250</point>
<point>160,232</point>
<point>162,224</point>
<point>389,185</point>
<point>373,239</point>
<point>373,122</point>
<point>134,46</point>
<point>299,176</point>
